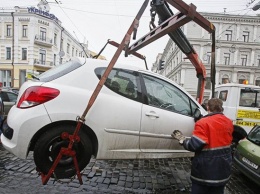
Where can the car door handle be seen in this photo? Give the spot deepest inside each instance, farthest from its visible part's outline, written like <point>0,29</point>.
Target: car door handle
<point>152,114</point>
<point>239,119</point>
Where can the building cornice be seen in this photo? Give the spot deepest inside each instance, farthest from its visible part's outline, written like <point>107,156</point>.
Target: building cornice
<point>232,18</point>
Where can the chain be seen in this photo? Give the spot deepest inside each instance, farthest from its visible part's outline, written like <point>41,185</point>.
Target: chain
<point>152,14</point>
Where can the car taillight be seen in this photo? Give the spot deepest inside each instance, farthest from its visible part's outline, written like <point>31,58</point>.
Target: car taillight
<point>36,95</point>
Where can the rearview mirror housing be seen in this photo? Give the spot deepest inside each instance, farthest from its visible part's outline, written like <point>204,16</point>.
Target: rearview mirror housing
<point>197,114</point>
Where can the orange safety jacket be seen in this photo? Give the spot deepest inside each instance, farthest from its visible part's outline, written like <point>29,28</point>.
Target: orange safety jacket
<point>211,140</point>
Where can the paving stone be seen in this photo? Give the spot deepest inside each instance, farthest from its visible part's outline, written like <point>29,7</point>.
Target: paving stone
<point>136,185</point>
<point>114,180</point>
<point>91,174</point>
<point>106,181</point>
<point>170,176</point>
<point>129,179</point>
<point>100,180</point>
<point>128,184</point>
<point>121,183</point>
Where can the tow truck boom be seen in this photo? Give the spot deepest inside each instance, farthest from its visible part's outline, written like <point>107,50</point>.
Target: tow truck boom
<point>170,24</point>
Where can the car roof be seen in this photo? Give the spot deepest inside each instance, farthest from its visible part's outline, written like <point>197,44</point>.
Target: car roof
<point>105,63</point>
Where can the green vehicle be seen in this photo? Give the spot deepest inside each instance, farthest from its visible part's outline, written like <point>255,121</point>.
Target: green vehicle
<point>247,155</point>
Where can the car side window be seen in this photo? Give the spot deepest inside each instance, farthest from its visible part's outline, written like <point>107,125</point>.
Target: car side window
<point>12,97</point>
<point>166,96</point>
<point>223,95</point>
<point>123,82</point>
<point>4,97</point>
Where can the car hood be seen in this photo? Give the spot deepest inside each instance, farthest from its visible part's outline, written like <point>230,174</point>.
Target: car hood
<point>249,150</point>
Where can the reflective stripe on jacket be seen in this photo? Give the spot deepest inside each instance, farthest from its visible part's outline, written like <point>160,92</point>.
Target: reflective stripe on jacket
<point>211,142</point>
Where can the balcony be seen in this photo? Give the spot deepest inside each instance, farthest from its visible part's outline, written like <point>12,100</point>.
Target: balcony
<point>43,41</point>
<point>43,64</point>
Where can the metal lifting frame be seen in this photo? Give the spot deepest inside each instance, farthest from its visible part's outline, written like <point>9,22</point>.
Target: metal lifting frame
<point>170,26</point>
<point>187,13</point>
<point>75,138</point>
<point>113,43</point>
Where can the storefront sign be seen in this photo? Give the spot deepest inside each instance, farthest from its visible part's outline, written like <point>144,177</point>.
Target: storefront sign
<point>43,13</point>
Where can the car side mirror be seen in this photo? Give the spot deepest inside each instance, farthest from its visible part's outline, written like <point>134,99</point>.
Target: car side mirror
<point>197,114</point>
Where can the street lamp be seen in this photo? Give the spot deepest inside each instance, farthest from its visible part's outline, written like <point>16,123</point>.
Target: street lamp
<point>256,6</point>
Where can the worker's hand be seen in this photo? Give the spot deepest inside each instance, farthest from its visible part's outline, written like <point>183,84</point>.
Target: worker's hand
<point>176,134</point>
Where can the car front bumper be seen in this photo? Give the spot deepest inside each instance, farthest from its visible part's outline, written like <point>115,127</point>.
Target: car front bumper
<point>253,175</point>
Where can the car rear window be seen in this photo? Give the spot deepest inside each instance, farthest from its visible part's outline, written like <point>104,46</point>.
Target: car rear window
<point>58,71</point>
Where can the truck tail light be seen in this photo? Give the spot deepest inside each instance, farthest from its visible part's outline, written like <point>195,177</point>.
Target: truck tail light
<point>36,95</point>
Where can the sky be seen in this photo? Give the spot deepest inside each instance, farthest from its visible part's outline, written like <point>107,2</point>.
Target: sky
<point>96,21</point>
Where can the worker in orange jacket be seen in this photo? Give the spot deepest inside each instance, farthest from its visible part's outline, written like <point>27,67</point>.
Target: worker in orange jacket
<point>211,141</point>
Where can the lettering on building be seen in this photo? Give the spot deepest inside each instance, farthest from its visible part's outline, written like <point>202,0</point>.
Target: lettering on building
<point>42,13</point>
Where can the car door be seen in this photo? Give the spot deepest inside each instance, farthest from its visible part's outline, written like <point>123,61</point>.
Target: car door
<point>121,116</point>
<point>167,109</point>
<point>9,99</point>
<point>248,110</point>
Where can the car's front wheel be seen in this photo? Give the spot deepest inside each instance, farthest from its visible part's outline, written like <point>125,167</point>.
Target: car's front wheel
<point>48,147</point>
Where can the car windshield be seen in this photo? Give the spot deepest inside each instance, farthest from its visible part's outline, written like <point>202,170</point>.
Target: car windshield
<point>249,98</point>
<point>58,71</point>
<point>254,135</point>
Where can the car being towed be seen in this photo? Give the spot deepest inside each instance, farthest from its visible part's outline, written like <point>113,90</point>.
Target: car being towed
<point>132,117</point>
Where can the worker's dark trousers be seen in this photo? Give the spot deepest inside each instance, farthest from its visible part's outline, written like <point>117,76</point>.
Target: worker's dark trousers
<point>204,189</point>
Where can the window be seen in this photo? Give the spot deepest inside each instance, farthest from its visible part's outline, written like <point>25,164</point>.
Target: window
<point>207,57</point>
<point>25,29</point>
<point>228,35</point>
<point>43,34</point>
<point>243,59</point>
<point>5,78</point>
<point>225,80</point>
<point>24,53</point>
<point>8,30</point>
<point>257,82</point>
<point>249,98</point>
<point>123,82</point>
<point>208,83</point>
<point>42,56</point>
<point>8,97</point>
<point>68,48</point>
<point>55,39</point>
<point>245,36</point>
<point>72,52</point>
<point>223,95</point>
<point>241,79</point>
<point>8,53</point>
<point>226,58</point>
<point>58,71</point>
<point>254,135</point>
<point>54,59</point>
<point>164,95</point>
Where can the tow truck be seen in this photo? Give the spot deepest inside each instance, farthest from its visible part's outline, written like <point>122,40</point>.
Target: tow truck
<point>241,103</point>
<point>170,24</point>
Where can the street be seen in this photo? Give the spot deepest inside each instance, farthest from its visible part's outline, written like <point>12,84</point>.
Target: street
<point>111,176</point>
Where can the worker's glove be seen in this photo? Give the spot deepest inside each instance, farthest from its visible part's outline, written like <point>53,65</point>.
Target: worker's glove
<point>176,134</point>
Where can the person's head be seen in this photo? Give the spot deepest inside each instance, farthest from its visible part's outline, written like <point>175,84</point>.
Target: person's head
<point>215,105</point>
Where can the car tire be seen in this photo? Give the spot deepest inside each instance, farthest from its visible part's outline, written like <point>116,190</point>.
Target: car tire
<point>48,147</point>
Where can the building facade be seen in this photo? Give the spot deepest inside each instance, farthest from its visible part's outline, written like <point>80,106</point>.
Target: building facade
<point>237,52</point>
<point>32,40</point>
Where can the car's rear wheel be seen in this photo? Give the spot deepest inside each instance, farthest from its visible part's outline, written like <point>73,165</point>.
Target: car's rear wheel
<point>48,147</point>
